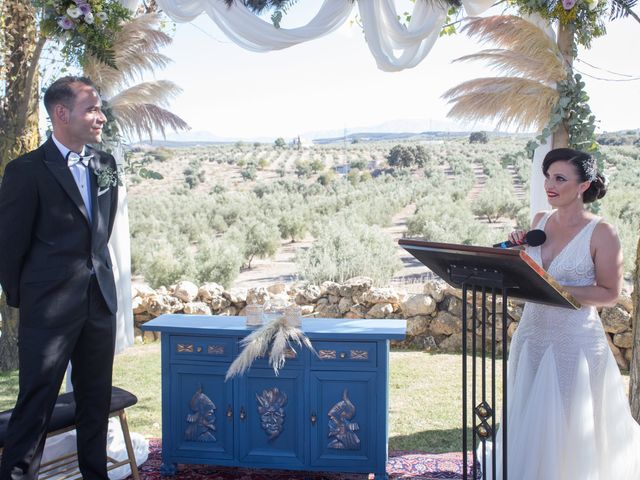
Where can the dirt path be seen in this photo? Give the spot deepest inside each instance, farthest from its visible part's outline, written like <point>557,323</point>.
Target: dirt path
<point>517,183</point>
<point>413,273</point>
<point>481,180</point>
<point>281,268</point>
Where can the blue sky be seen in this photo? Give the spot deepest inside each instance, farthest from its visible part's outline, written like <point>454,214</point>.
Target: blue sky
<point>333,82</point>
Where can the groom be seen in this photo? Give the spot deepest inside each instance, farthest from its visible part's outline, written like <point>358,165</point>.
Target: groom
<point>57,208</point>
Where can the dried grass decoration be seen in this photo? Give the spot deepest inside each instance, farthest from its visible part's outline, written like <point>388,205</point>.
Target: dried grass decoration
<point>278,334</point>
<point>532,63</point>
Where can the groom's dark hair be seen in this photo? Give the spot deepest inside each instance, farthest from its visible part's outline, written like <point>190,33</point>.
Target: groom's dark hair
<point>60,91</point>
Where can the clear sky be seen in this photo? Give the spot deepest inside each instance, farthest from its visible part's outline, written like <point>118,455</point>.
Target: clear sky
<point>333,82</point>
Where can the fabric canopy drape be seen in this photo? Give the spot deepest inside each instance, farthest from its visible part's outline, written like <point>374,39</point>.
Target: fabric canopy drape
<point>253,33</point>
<point>395,46</point>
<point>386,35</point>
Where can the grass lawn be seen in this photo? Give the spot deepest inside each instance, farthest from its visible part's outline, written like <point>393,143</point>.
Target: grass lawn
<point>424,396</point>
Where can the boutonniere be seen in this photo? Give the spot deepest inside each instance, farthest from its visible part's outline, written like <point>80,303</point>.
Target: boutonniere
<point>107,177</point>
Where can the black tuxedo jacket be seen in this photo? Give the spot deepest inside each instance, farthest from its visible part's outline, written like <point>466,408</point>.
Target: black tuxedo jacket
<point>48,246</point>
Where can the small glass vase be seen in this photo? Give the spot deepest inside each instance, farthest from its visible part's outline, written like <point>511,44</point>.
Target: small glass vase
<point>254,314</point>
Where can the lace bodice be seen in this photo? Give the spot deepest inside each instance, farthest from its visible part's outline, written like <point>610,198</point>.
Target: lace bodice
<point>565,331</point>
<point>573,266</point>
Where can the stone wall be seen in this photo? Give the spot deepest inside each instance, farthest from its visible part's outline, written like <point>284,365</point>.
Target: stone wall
<point>433,317</point>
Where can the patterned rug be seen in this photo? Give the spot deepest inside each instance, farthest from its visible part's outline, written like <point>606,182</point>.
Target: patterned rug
<point>401,466</point>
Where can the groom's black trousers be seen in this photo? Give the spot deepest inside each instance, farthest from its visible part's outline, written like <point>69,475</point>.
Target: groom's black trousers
<point>88,342</point>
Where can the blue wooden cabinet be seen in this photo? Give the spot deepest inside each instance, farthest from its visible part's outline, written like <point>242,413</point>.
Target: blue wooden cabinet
<point>324,412</point>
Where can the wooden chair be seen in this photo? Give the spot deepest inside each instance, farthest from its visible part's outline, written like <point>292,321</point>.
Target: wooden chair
<point>62,420</point>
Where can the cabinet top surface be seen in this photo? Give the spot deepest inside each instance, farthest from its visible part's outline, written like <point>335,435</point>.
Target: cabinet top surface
<point>334,328</point>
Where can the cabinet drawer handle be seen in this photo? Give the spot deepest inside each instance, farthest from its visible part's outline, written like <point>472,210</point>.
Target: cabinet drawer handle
<point>229,412</point>
<point>243,414</point>
<point>199,349</point>
<point>314,418</point>
<point>342,355</point>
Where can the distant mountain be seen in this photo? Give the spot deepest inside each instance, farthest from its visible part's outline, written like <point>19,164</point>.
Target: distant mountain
<point>200,137</point>
<point>197,136</point>
<point>404,126</point>
<point>387,136</point>
<point>400,128</point>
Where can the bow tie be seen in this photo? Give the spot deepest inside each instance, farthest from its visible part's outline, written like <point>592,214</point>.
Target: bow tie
<point>73,158</point>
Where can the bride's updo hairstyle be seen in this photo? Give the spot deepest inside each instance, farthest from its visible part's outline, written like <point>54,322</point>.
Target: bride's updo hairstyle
<point>585,165</point>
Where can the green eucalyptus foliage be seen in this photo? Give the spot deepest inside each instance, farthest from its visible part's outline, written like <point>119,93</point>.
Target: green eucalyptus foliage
<point>83,28</point>
<point>573,108</point>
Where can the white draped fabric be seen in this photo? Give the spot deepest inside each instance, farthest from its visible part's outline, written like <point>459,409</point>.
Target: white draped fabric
<point>476,7</point>
<point>537,196</point>
<point>386,35</point>
<point>393,45</point>
<point>252,32</point>
<point>120,248</point>
<point>130,4</point>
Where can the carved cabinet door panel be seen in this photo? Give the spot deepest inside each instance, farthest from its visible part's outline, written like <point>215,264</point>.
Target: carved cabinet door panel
<point>343,418</point>
<point>270,419</point>
<point>202,412</point>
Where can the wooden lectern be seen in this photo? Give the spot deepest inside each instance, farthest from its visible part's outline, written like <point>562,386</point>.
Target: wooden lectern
<point>484,273</point>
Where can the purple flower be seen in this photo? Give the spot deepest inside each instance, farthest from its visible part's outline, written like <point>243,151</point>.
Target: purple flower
<point>65,23</point>
<point>84,8</point>
<point>568,4</point>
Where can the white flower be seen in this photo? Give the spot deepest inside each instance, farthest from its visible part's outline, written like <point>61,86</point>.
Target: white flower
<point>592,4</point>
<point>74,12</point>
<point>102,16</point>
<point>88,18</point>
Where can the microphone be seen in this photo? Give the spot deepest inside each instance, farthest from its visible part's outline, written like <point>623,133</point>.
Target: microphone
<point>534,238</point>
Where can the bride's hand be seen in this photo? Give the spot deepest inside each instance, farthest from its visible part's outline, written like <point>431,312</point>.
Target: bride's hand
<point>517,236</point>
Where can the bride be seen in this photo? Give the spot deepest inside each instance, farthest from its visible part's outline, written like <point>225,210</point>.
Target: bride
<point>569,417</point>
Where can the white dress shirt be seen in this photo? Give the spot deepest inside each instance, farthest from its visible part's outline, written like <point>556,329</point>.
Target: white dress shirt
<point>81,174</point>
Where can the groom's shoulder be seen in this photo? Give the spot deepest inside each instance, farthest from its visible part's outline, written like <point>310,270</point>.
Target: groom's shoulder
<point>27,160</point>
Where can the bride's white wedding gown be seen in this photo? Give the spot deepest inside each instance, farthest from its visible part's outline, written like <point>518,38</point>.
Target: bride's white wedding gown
<point>568,414</point>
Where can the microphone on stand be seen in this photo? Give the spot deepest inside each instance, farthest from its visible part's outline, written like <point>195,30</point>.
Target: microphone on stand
<point>534,238</point>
